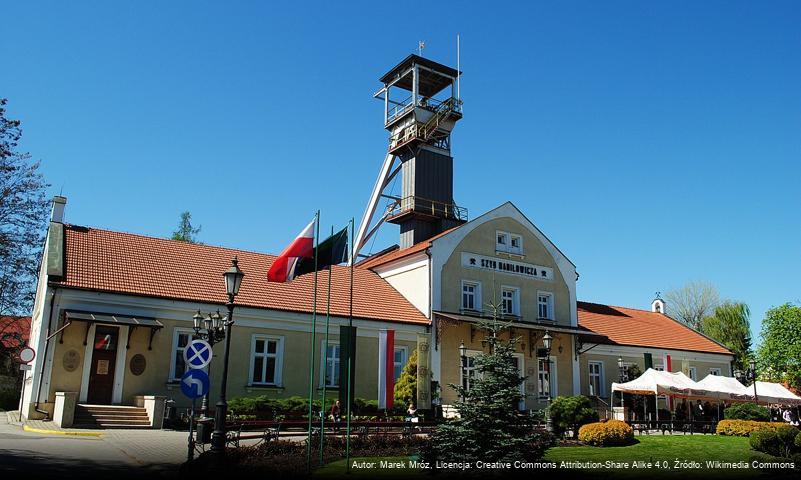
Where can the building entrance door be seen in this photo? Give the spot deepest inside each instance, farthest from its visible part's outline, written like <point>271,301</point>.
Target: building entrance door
<point>104,358</point>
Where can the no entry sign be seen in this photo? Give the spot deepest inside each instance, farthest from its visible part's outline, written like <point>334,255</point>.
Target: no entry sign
<point>26,355</point>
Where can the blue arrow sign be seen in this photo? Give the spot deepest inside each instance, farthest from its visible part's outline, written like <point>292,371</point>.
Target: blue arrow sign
<point>197,354</point>
<point>195,383</point>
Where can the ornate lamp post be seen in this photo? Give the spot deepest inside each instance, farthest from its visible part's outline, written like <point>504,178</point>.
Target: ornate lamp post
<point>546,342</point>
<point>620,377</point>
<point>463,356</point>
<point>233,280</point>
<point>212,329</point>
<point>749,374</point>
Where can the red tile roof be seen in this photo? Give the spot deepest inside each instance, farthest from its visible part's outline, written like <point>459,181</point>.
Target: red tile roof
<point>14,330</point>
<point>630,326</point>
<point>395,253</point>
<point>126,263</point>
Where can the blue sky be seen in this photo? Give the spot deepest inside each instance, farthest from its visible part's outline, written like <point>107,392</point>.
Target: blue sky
<point>654,142</point>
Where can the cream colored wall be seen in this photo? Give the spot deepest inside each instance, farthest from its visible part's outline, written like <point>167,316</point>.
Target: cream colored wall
<point>155,379</point>
<point>413,285</point>
<point>482,241</point>
<point>451,360</point>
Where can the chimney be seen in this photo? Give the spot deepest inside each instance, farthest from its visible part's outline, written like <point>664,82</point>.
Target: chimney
<point>658,305</point>
<point>57,214</point>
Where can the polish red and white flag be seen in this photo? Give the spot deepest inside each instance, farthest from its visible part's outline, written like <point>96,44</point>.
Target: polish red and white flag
<point>386,368</point>
<point>283,268</point>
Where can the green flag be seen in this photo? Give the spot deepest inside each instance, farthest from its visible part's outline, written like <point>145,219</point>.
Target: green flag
<point>331,251</point>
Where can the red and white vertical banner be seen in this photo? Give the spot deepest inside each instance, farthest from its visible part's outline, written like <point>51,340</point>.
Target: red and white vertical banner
<point>668,367</point>
<point>386,368</point>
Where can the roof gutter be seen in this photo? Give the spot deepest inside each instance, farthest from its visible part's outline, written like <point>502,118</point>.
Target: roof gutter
<point>44,356</point>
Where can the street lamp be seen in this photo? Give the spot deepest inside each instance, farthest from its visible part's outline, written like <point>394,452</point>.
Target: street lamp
<point>546,342</point>
<point>749,374</point>
<point>620,368</point>
<point>463,356</point>
<point>233,280</point>
<point>211,328</point>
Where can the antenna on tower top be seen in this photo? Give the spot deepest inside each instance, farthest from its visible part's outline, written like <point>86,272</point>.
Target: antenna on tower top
<point>420,46</point>
<point>458,68</point>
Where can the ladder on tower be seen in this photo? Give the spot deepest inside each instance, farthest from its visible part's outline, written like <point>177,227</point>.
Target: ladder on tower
<point>443,111</point>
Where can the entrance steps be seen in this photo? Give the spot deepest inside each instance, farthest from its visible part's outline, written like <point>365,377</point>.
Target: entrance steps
<point>110,416</point>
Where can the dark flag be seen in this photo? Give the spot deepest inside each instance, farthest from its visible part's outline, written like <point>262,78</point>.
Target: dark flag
<point>331,251</point>
<point>347,358</point>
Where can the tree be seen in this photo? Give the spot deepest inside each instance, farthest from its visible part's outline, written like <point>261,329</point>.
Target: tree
<point>729,325</point>
<point>692,303</point>
<point>185,231</point>
<point>490,426</point>
<point>570,413</point>
<point>779,354</point>
<point>406,386</point>
<point>23,218</point>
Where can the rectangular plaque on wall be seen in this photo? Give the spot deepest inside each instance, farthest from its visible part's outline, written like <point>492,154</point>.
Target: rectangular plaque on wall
<point>102,367</point>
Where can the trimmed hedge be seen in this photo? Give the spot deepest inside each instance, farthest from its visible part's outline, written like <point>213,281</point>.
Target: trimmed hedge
<point>267,408</point>
<point>779,442</point>
<point>747,411</point>
<point>743,428</point>
<point>606,434</point>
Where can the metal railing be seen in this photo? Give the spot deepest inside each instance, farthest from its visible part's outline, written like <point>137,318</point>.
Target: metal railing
<point>427,207</point>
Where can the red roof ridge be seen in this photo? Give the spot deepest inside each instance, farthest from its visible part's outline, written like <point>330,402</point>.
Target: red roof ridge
<point>389,254</point>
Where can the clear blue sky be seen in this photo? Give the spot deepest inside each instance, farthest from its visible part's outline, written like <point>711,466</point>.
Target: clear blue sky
<point>654,142</point>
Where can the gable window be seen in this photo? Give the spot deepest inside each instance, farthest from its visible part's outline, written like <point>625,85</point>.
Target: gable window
<point>401,355</point>
<point>545,306</point>
<point>596,379</point>
<point>714,371</point>
<point>509,301</point>
<point>330,364</point>
<point>471,296</point>
<point>516,244</point>
<point>501,241</point>
<point>266,359</point>
<point>181,338</point>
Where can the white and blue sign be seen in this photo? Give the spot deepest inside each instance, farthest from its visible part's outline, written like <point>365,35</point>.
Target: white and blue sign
<point>195,383</point>
<point>197,354</point>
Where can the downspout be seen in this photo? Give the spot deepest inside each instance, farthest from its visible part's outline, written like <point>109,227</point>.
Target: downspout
<point>44,356</point>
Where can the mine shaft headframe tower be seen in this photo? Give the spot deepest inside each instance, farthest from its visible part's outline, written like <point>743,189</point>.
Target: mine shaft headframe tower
<point>421,107</point>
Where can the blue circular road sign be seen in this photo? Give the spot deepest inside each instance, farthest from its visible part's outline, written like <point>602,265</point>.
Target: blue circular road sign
<point>197,354</point>
<point>195,383</point>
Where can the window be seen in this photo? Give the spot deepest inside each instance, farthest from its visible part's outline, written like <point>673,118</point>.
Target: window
<point>181,337</point>
<point>544,378</point>
<point>501,241</point>
<point>471,296</point>
<point>693,374</point>
<point>596,378</point>
<point>545,306</point>
<point>330,365</point>
<point>401,355</point>
<point>714,371</point>
<point>517,361</point>
<point>516,244</point>
<point>468,372</point>
<point>266,359</point>
<point>509,300</point>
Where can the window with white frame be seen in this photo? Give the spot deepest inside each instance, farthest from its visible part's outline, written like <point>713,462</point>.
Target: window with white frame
<point>330,363</point>
<point>545,375</point>
<point>401,356</point>
<point>596,378</point>
<point>693,374</point>
<point>471,295</point>
<point>545,306</point>
<point>714,371</point>
<point>509,300</point>
<point>468,371</point>
<point>180,339</point>
<point>501,241</point>
<point>516,243</point>
<point>266,360</point>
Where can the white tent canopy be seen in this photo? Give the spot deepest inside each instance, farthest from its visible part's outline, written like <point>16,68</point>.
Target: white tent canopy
<point>657,382</point>
<point>726,388</point>
<point>768,392</point>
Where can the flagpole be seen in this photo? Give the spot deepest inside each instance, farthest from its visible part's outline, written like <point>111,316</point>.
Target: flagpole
<point>325,363</point>
<point>350,343</point>
<point>312,341</point>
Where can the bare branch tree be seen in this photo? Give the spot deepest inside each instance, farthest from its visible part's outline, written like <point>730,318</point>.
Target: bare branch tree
<point>692,303</point>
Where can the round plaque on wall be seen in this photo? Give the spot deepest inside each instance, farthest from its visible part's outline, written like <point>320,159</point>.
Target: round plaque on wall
<point>138,364</point>
<point>71,360</point>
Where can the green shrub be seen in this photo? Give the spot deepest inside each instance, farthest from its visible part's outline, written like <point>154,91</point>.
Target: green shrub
<point>606,434</point>
<point>747,411</point>
<point>743,428</point>
<point>264,407</point>
<point>798,442</point>
<point>571,413</point>
<point>779,442</point>
<point>786,435</point>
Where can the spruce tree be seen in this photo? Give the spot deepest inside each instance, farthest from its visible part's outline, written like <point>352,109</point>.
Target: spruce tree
<point>490,427</point>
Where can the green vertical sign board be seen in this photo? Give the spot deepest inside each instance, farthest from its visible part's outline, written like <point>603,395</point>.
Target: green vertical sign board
<point>347,355</point>
<point>649,361</point>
